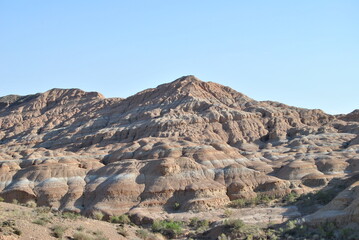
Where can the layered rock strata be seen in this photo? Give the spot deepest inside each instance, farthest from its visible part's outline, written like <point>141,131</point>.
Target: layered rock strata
<point>190,144</point>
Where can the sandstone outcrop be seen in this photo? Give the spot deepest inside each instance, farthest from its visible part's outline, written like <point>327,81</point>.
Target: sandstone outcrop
<point>188,144</point>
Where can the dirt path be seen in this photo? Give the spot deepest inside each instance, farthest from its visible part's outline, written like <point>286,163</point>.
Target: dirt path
<point>255,215</point>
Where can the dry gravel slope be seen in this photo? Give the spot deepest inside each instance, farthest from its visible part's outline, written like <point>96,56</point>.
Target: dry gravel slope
<point>27,221</point>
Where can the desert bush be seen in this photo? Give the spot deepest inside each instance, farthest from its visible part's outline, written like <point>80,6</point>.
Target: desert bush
<point>101,237</point>
<point>142,233</point>
<point>146,235</point>
<point>238,203</point>
<point>122,231</point>
<point>237,229</point>
<point>1,199</point>
<point>17,231</point>
<point>168,228</point>
<point>329,231</point>
<point>84,236</point>
<point>42,221</point>
<point>325,196</point>
<point>199,224</point>
<point>15,201</point>
<point>122,219</point>
<point>234,223</point>
<point>81,236</point>
<point>70,215</point>
<point>293,229</point>
<point>227,213</point>
<point>8,223</point>
<point>98,235</point>
<point>176,206</point>
<point>349,233</point>
<point>80,228</point>
<point>58,231</point>
<point>97,215</point>
<point>40,210</point>
<point>31,204</point>
<point>290,198</point>
<point>264,199</point>
<point>321,197</point>
<point>8,227</point>
<point>223,237</point>
<point>260,199</point>
<point>39,222</point>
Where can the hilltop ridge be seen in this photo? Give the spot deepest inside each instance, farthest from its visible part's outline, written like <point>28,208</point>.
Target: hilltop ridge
<point>194,143</point>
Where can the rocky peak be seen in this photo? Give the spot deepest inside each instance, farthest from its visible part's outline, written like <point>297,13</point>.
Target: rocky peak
<point>15,100</point>
<point>71,93</point>
<point>353,116</point>
<point>190,88</point>
<point>7,100</point>
<point>187,79</point>
<point>52,96</point>
<point>58,97</point>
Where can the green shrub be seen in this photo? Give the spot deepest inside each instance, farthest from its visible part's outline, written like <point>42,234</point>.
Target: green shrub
<point>264,199</point>
<point>290,198</point>
<point>122,231</point>
<point>39,222</point>
<point>260,199</point>
<point>70,215</point>
<point>168,228</point>
<point>328,231</point>
<point>223,237</point>
<point>142,233</point>
<point>236,224</point>
<point>40,210</point>
<point>81,236</point>
<point>1,199</point>
<point>238,203</point>
<point>122,219</point>
<point>97,215</point>
<point>31,204</point>
<point>293,229</point>
<point>227,213</point>
<point>322,197</point>
<point>84,236</point>
<point>176,206</point>
<point>58,231</point>
<point>199,224</point>
<point>237,229</point>
<point>42,221</point>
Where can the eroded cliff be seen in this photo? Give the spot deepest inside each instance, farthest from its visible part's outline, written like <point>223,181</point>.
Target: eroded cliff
<point>191,143</point>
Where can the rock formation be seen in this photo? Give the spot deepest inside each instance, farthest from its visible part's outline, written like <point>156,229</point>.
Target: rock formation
<point>189,143</point>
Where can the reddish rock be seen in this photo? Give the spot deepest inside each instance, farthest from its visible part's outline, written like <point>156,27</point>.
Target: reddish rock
<point>189,143</point>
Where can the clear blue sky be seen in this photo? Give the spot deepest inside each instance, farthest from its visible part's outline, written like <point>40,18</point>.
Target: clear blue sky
<point>303,53</point>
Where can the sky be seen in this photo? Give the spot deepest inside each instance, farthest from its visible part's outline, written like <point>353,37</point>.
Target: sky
<point>301,53</point>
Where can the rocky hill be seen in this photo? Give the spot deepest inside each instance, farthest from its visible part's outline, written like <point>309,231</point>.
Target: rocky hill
<point>189,145</point>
